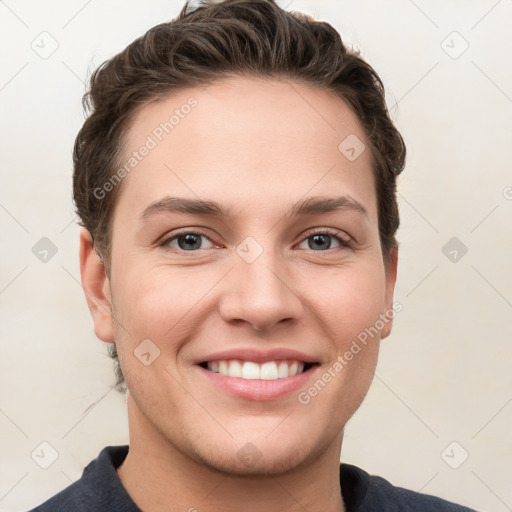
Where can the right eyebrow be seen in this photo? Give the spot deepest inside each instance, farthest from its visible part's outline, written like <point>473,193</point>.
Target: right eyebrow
<point>184,205</point>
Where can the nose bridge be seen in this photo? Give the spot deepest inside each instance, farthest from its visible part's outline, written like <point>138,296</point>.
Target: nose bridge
<point>259,290</point>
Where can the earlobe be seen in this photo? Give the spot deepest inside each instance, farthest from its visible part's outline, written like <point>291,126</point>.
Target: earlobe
<point>391,273</point>
<point>96,285</point>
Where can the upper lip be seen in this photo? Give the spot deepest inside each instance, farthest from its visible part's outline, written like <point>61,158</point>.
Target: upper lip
<point>258,355</point>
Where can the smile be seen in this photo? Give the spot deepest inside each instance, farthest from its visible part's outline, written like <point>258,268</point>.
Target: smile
<point>267,380</point>
<point>250,370</point>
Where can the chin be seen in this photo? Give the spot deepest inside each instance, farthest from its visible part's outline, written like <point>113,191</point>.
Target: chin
<point>251,460</point>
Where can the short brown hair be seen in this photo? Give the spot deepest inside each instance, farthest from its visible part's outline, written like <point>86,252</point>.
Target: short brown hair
<point>212,41</point>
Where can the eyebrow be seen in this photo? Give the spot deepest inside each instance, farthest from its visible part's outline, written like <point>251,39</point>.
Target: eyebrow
<point>309,206</point>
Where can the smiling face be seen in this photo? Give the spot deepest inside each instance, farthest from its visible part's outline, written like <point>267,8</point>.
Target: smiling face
<point>260,273</point>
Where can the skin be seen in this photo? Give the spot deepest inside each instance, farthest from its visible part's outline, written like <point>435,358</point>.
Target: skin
<point>255,146</point>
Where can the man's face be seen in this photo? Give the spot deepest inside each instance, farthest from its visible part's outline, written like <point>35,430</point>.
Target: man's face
<point>256,280</point>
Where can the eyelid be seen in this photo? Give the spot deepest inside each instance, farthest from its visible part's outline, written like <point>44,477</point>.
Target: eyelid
<point>342,235</point>
<point>345,240</point>
<point>186,231</point>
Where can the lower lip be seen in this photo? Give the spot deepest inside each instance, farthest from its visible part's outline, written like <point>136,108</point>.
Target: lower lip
<point>257,389</point>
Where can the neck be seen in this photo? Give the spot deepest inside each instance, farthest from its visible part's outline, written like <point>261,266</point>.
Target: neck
<point>157,475</point>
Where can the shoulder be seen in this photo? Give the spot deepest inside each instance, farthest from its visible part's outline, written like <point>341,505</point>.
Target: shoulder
<point>371,492</point>
<point>99,487</point>
<point>74,497</point>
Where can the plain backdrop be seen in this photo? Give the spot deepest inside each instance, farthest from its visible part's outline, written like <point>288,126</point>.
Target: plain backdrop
<point>438,416</point>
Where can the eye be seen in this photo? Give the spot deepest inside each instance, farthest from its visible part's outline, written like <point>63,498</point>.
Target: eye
<point>321,239</point>
<point>189,241</point>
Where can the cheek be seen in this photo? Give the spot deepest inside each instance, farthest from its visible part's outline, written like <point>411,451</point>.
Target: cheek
<point>353,300</point>
<point>154,303</point>
<point>162,303</point>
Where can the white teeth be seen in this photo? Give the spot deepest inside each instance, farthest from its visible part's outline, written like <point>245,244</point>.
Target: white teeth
<point>250,370</point>
<point>282,371</point>
<point>270,370</point>
<point>234,369</point>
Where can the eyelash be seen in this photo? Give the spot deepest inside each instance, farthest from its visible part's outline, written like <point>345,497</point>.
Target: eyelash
<point>345,242</point>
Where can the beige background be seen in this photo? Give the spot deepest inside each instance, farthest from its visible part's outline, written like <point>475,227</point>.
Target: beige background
<point>444,375</point>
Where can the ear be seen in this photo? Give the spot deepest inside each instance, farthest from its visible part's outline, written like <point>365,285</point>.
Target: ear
<point>391,272</point>
<point>96,285</point>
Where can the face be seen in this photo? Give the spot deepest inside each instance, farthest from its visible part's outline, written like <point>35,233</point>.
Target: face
<point>282,275</point>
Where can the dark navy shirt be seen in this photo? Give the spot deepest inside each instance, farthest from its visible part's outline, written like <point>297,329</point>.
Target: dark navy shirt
<point>100,489</point>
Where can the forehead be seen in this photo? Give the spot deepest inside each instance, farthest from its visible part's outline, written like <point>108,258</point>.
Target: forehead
<point>243,138</point>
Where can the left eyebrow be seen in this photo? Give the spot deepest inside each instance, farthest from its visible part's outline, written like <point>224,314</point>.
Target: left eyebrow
<point>321,205</point>
<point>308,206</point>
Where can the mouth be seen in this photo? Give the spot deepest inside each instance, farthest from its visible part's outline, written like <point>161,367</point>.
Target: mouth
<point>251,370</point>
<point>263,381</point>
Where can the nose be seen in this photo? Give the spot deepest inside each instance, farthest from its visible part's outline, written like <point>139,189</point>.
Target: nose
<point>260,294</point>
